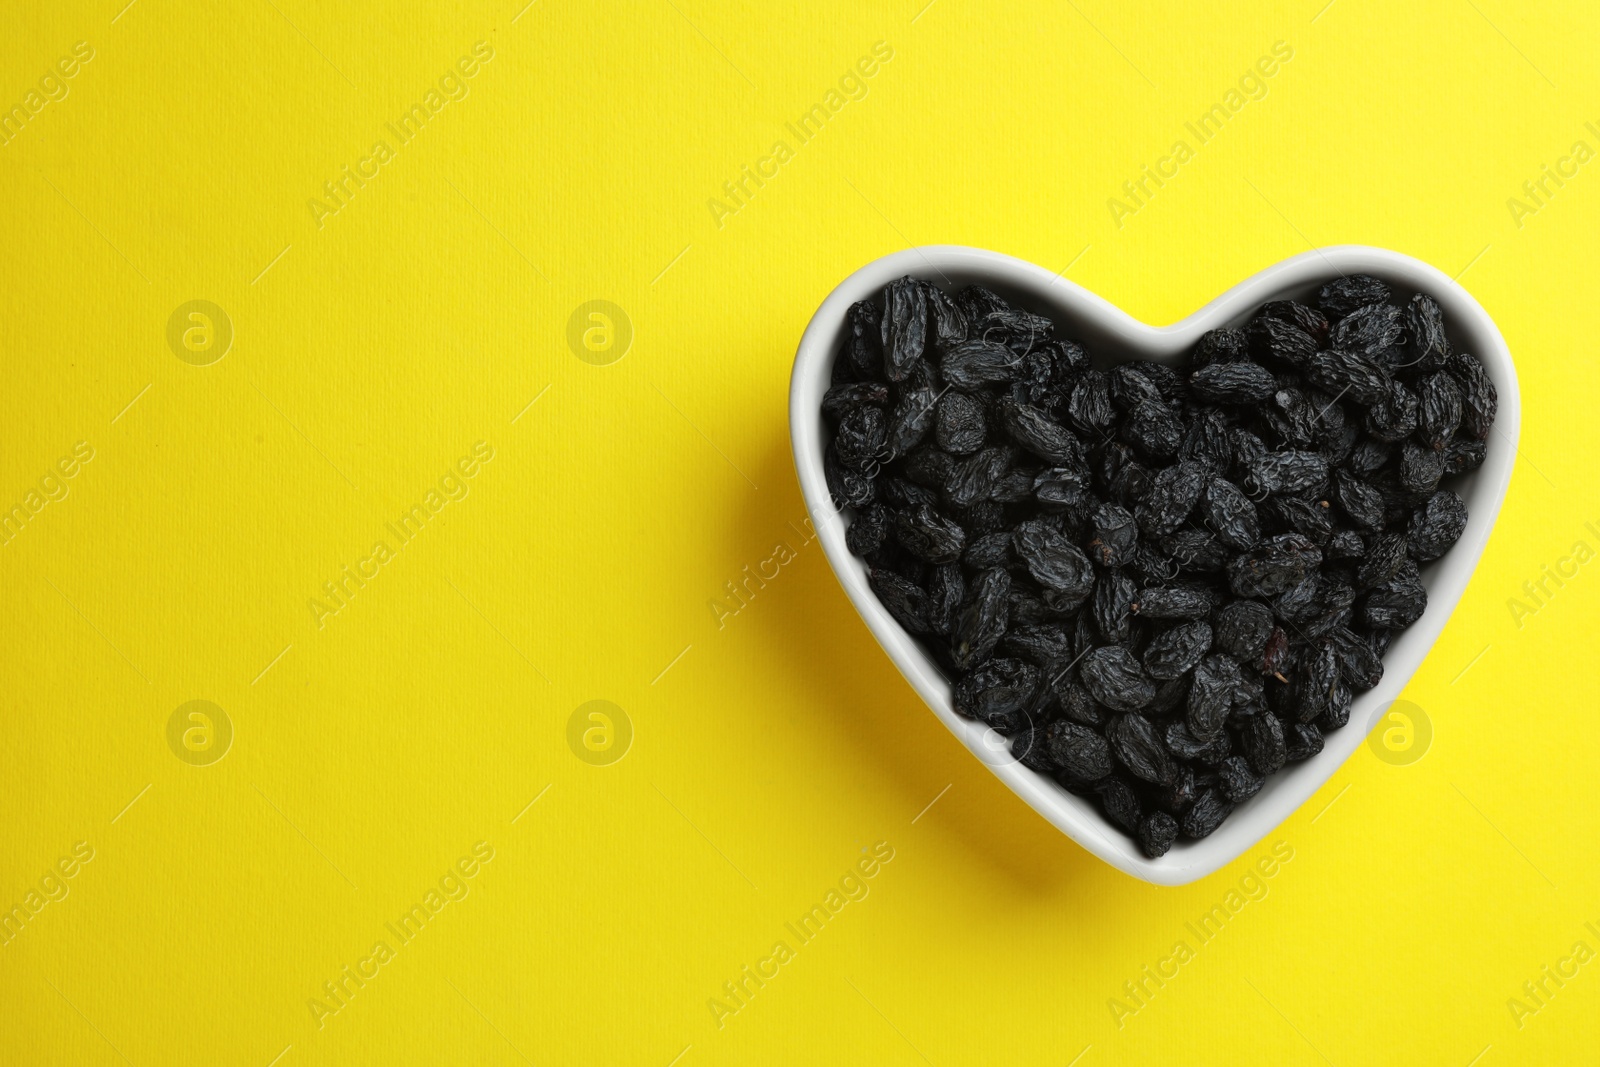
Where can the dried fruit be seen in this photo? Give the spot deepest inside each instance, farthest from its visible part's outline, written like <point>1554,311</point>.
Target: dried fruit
<point>1243,628</point>
<point>1274,566</point>
<point>1425,330</point>
<point>863,349</point>
<point>1113,605</point>
<point>1233,383</point>
<point>1120,802</point>
<point>1239,782</point>
<point>1171,495</point>
<point>1302,740</point>
<point>1116,679</point>
<point>1153,430</point>
<point>1174,653</point>
<point>1479,398</point>
<point>1206,814</point>
<point>1173,602</point>
<point>974,364</point>
<point>1349,374</point>
<point>1394,416</point>
<point>1262,741</point>
<point>906,600</point>
<point>1397,603</point>
<point>1441,409</point>
<point>1077,749</point>
<point>997,689</point>
<point>1162,584</point>
<point>1370,330</point>
<point>1140,749</point>
<point>1437,525</point>
<point>1157,832</point>
<point>905,328</point>
<point>1348,292</point>
<point>1289,471</point>
<point>1037,432</point>
<point>1114,535</point>
<point>1215,680</point>
<point>929,535</point>
<point>958,425</point>
<point>1056,564</point>
<point>1306,318</point>
<point>1275,339</point>
<point>1384,556</point>
<point>982,621</point>
<point>841,399</point>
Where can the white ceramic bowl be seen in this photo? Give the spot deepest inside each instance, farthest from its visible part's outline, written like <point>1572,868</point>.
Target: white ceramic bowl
<point>1112,336</point>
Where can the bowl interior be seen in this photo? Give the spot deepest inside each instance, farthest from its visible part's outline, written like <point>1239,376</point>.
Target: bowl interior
<point>1112,337</point>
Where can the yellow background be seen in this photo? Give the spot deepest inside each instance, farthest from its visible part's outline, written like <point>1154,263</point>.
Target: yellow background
<point>372,352</point>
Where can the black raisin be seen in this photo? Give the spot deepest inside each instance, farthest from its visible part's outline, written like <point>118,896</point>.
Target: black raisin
<point>1114,678</point>
<point>1274,566</point>
<point>841,399</point>
<point>1307,318</point>
<point>1114,535</point>
<point>974,364</point>
<point>863,437</point>
<point>1157,832</point>
<point>1302,740</point>
<point>1215,680</point>
<point>1233,383</point>
<point>1275,339</point>
<point>905,328</point>
<point>1089,407</point>
<point>1055,563</point>
<point>1262,741</point>
<point>1113,605</point>
<point>1440,411</point>
<point>1348,292</point>
<point>946,590</point>
<point>1037,432</point>
<point>1140,749</point>
<point>1370,330</point>
<point>863,350</point>
<point>1394,417</point>
<point>1425,331</point>
<point>1349,374</point>
<point>1231,515</point>
<point>1153,430</point>
<point>1289,471</point>
<point>1479,399</point>
<point>1173,602</point>
<point>1206,815</point>
<point>906,600</point>
<point>959,426</point>
<point>1420,467</point>
<point>1226,345</point>
<point>1437,525</point>
<point>1078,749</point>
<point>1239,782</point>
<point>997,689</point>
<point>1171,496</point>
<point>982,621</point>
<point>928,535</point>
<point>869,530</point>
<point>1120,802</point>
<point>1176,651</point>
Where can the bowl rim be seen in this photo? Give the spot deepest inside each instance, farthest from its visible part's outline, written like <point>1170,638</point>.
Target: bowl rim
<point>1107,329</point>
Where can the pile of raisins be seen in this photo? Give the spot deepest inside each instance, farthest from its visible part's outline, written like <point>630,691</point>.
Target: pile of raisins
<point>1161,584</point>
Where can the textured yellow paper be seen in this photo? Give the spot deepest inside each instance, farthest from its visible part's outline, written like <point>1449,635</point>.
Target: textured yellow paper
<point>421,373</point>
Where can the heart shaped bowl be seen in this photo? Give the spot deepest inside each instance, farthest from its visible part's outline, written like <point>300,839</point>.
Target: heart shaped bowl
<point>1112,336</point>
